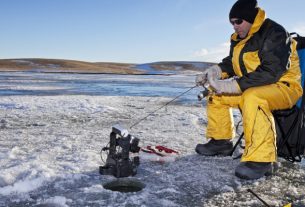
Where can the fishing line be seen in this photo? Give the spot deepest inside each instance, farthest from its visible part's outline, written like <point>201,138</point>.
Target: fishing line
<point>162,106</point>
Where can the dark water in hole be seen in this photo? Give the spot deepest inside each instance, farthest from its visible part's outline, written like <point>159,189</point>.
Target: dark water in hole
<point>125,185</point>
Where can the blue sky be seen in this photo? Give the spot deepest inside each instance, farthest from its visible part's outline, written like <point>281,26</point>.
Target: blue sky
<point>131,31</point>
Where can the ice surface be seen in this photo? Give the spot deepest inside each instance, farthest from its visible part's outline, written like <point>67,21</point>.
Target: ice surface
<point>50,146</point>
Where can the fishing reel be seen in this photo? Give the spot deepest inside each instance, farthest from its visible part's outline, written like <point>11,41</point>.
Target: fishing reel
<point>118,162</point>
<point>203,94</point>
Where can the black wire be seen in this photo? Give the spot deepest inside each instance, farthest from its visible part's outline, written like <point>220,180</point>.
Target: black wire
<point>162,106</point>
<point>102,152</point>
<point>266,204</point>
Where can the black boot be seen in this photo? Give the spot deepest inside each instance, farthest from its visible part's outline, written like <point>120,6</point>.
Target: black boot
<point>215,147</point>
<point>254,170</point>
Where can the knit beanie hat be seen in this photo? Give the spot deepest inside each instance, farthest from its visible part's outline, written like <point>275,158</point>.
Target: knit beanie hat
<point>244,9</point>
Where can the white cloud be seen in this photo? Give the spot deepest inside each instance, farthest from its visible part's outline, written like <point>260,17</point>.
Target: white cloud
<point>213,54</point>
<point>299,28</point>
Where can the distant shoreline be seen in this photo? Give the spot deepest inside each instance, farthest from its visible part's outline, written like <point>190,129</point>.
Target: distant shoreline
<point>82,72</point>
<point>66,66</point>
<point>81,67</point>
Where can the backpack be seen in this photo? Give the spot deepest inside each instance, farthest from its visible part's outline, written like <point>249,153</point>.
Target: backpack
<point>290,123</point>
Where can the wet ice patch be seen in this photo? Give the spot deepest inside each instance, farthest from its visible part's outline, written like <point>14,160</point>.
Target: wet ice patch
<point>8,106</point>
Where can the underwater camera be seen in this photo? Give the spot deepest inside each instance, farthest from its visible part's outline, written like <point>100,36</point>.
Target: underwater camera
<point>118,162</point>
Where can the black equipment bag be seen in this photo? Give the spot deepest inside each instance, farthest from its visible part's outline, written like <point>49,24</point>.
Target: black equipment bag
<point>290,123</point>
<point>289,143</point>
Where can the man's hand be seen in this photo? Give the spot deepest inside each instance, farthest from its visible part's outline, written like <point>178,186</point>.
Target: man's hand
<point>229,86</point>
<point>213,72</point>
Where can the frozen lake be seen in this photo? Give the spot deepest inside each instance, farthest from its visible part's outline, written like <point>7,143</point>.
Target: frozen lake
<point>42,84</point>
<point>53,127</point>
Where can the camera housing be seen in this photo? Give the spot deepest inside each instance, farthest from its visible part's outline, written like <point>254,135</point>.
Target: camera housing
<point>118,162</point>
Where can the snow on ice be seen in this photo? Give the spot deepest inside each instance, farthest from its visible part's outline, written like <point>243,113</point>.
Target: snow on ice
<point>50,149</point>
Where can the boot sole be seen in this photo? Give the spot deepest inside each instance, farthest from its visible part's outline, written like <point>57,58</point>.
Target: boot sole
<point>253,178</point>
<point>268,173</point>
<point>223,153</point>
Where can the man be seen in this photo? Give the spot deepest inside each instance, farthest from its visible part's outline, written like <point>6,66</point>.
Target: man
<point>261,74</point>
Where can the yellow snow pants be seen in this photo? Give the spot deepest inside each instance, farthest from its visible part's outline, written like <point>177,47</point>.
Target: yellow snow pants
<point>256,105</point>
